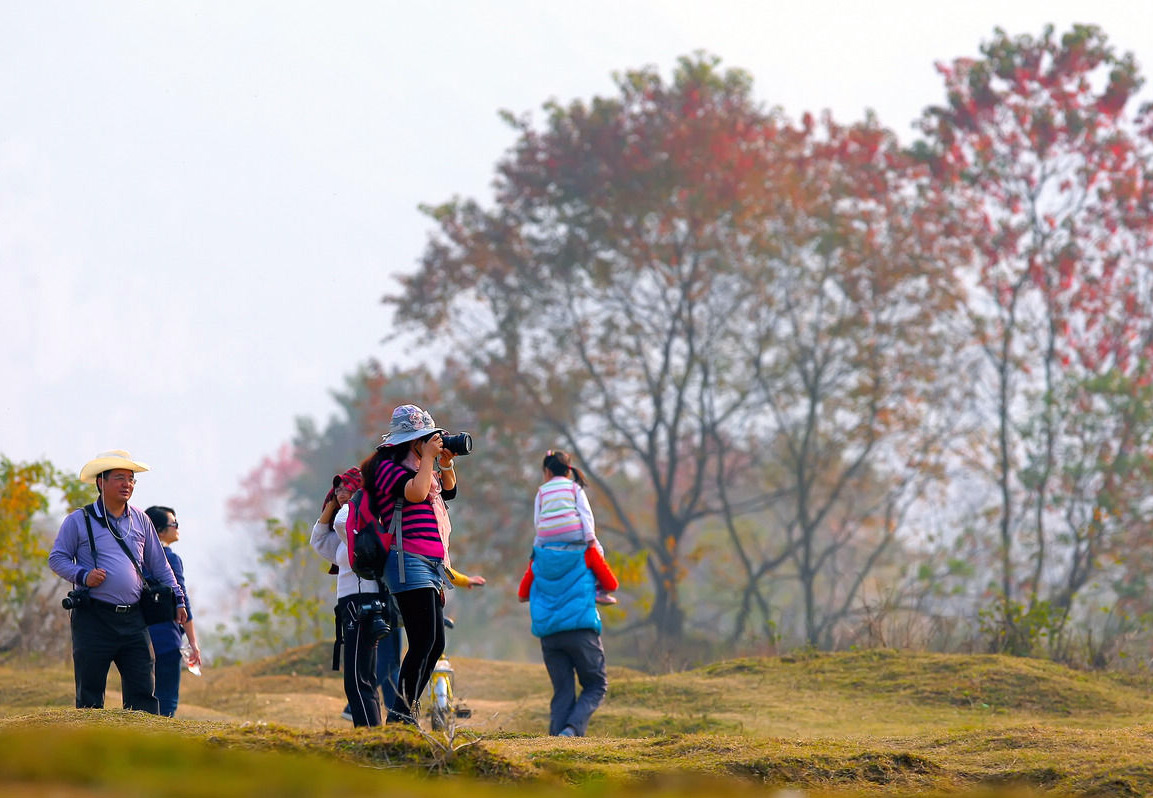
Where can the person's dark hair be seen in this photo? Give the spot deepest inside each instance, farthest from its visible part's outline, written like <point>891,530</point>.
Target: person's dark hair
<point>368,472</point>
<point>396,454</point>
<point>399,453</point>
<point>158,515</point>
<point>369,468</point>
<point>559,464</point>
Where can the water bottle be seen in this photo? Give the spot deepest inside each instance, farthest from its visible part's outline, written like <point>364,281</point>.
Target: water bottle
<point>185,656</point>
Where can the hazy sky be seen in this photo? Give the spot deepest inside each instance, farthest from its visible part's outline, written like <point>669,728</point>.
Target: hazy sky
<point>201,204</point>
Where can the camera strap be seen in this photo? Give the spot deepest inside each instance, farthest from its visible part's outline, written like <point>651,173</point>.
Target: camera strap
<point>91,539</point>
<point>117,538</point>
<point>135,564</point>
<point>336,645</point>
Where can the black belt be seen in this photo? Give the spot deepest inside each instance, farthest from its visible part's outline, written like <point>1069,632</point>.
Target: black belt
<point>117,608</point>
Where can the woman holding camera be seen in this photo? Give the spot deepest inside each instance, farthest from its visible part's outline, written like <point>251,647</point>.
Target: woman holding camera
<point>360,613</point>
<point>412,466</point>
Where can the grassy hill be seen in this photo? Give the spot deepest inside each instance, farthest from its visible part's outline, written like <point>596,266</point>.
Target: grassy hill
<point>868,723</point>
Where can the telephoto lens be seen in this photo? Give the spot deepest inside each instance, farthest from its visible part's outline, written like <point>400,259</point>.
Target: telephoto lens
<point>459,444</point>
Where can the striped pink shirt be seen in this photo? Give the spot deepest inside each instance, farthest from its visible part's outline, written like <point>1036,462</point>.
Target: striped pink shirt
<point>418,521</point>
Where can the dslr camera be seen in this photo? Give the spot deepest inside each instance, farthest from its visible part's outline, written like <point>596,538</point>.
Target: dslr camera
<point>458,444</point>
<point>80,597</point>
<point>370,614</point>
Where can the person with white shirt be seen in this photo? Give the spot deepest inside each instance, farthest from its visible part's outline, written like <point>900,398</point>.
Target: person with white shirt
<point>357,631</point>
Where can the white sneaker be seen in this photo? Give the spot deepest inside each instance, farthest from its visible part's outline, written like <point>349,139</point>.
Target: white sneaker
<point>346,715</point>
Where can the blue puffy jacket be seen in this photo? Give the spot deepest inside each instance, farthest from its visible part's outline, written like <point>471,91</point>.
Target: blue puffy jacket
<point>563,593</point>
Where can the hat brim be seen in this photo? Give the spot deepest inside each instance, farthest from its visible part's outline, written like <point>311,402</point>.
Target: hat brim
<point>394,438</point>
<point>95,468</point>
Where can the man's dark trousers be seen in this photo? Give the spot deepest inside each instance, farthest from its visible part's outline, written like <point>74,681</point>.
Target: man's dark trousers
<point>101,636</point>
<point>578,651</point>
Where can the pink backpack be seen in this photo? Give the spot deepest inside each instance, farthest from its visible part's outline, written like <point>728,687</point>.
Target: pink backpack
<point>368,541</point>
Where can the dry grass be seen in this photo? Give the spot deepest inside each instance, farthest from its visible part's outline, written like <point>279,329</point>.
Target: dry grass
<point>868,723</point>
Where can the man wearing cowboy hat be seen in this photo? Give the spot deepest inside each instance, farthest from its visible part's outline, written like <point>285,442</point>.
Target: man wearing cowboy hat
<point>109,626</point>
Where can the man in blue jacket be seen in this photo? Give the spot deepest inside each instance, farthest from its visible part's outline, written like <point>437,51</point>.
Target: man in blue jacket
<point>560,587</point>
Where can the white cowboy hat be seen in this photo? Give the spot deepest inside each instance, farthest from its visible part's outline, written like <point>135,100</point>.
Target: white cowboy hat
<point>106,461</point>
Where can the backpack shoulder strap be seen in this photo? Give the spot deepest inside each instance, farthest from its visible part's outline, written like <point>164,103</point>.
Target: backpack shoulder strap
<point>396,528</point>
<point>353,524</point>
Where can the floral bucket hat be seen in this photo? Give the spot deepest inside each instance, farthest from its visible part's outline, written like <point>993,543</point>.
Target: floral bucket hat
<point>408,423</point>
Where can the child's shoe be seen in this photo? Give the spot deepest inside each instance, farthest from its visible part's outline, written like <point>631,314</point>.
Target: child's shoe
<point>604,597</point>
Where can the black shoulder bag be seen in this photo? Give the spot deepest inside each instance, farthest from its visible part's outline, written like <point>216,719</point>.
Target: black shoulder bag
<point>157,600</point>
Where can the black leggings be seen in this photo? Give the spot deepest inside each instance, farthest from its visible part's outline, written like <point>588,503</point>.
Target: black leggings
<point>359,663</point>
<point>424,625</point>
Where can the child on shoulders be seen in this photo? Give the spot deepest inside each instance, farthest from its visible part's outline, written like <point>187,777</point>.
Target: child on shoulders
<point>562,516</point>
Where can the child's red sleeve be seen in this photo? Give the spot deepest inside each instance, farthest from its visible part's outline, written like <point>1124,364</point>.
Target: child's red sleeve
<point>525,583</point>
<point>606,579</point>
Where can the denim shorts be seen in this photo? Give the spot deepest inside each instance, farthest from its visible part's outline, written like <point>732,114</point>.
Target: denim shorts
<point>418,573</point>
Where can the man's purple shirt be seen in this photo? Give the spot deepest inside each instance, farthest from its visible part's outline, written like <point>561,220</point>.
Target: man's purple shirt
<point>71,555</point>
